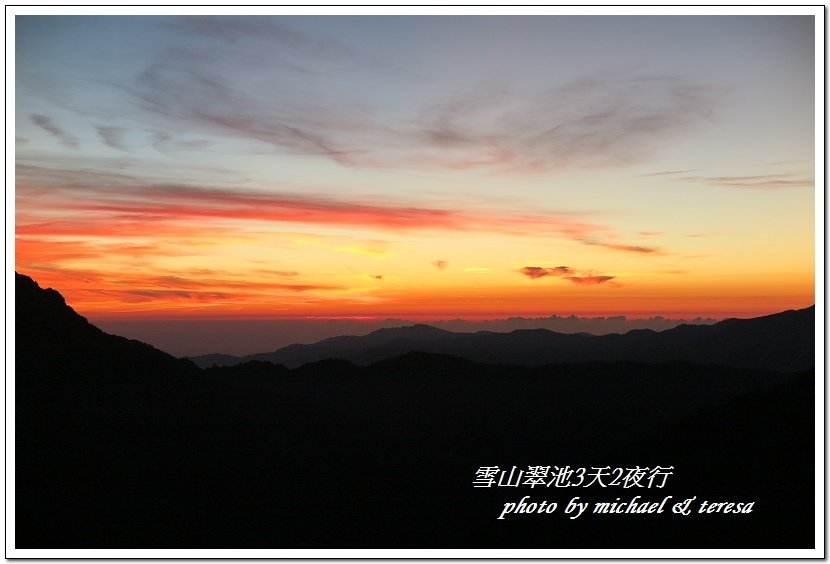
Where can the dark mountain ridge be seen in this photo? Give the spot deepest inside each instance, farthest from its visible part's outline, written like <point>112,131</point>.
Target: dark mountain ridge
<point>49,333</point>
<point>783,341</point>
<point>119,445</point>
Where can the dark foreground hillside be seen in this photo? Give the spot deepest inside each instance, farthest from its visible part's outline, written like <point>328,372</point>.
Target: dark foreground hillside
<point>121,445</point>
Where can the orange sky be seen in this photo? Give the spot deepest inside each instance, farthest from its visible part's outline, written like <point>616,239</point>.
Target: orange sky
<point>186,171</point>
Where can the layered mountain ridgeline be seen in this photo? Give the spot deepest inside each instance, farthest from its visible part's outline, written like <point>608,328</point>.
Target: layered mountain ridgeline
<point>783,341</point>
<point>121,445</point>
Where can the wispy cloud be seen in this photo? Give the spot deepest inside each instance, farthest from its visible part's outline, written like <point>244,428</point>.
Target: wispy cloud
<point>609,119</point>
<point>193,97</point>
<point>296,49</point>
<point>374,249</point>
<point>606,119</point>
<point>138,208</point>
<point>153,295</point>
<point>589,280</point>
<point>619,246</point>
<point>48,124</point>
<point>90,173</point>
<point>112,136</point>
<point>535,272</point>
<point>93,202</point>
<point>758,181</point>
<point>280,273</point>
<point>666,173</point>
<point>202,288</point>
<point>585,278</point>
<point>48,250</point>
<point>183,283</point>
<point>440,264</point>
<point>198,83</point>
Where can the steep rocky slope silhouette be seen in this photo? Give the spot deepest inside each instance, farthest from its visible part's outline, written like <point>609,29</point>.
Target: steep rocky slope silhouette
<point>53,341</point>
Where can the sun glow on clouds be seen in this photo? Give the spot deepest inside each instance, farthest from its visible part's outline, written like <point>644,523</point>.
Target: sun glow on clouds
<point>255,167</point>
<point>187,254</point>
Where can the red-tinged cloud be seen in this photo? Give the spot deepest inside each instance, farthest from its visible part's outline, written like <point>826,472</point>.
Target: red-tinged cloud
<point>440,264</point>
<point>46,250</point>
<point>35,250</point>
<point>189,284</point>
<point>120,290</point>
<point>629,248</point>
<point>281,273</point>
<point>118,205</point>
<point>535,272</point>
<point>117,225</point>
<point>154,295</point>
<point>113,280</point>
<point>586,278</point>
<point>589,280</point>
<point>137,209</point>
<point>140,206</point>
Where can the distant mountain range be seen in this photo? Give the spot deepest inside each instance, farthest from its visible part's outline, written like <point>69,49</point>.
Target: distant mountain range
<point>240,337</point>
<point>783,341</point>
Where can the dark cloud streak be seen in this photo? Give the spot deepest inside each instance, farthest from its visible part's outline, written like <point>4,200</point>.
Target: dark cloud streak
<point>239,30</point>
<point>618,246</point>
<point>758,182</point>
<point>589,280</point>
<point>48,124</point>
<point>566,273</point>
<point>667,173</point>
<point>112,136</point>
<point>534,272</point>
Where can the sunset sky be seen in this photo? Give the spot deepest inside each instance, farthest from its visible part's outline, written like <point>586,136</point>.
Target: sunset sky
<point>416,167</point>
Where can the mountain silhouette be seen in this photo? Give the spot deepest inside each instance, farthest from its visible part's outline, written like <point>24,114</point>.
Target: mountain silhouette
<point>782,341</point>
<point>119,445</point>
<point>52,341</point>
